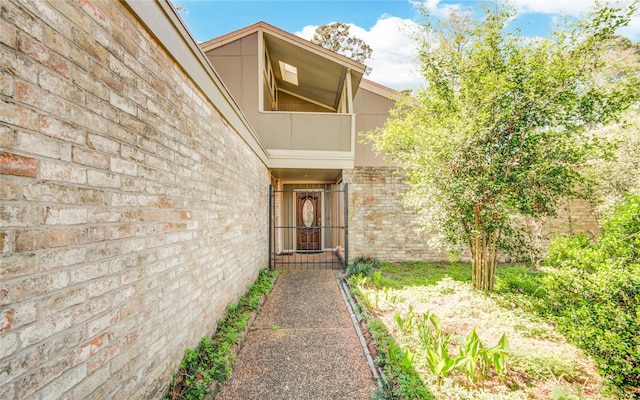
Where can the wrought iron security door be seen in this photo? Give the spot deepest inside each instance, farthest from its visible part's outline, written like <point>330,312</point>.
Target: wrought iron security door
<point>308,226</point>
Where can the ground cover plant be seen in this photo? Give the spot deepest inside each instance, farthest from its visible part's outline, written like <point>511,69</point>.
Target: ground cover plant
<point>593,294</point>
<point>211,361</point>
<point>436,337</point>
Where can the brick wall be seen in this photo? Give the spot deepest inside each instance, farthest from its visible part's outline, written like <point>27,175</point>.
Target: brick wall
<point>576,216</point>
<point>380,227</point>
<point>131,213</point>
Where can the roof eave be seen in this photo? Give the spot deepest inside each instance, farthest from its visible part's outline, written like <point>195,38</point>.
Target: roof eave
<point>286,36</point>
<point>378,89</point>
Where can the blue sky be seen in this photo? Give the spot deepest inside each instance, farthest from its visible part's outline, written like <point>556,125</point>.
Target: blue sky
<point>211,18</point>
<point>380,23</point>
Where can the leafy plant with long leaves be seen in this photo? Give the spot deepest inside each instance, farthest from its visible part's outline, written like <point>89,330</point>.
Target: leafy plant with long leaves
<point>473,356</point>
<point>478,359</point>
<point>405,324</point>
<point>438,359</point>
<point>436,344</point>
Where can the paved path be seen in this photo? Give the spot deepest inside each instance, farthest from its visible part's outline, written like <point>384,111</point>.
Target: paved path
<point>302,345</point>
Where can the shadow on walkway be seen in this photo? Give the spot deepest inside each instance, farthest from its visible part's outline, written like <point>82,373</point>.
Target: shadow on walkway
<point>303,345</point>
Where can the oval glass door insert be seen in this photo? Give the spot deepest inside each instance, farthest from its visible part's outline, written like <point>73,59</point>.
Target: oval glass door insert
<point>307,213</point>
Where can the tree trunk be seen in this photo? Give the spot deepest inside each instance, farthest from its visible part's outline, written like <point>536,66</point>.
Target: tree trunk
<point>484,252</point>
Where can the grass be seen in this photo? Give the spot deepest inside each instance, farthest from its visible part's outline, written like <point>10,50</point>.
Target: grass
<point>405,274</point>
<point>541,364</point>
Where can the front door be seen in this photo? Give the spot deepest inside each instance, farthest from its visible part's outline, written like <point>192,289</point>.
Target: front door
<point>308,221</point>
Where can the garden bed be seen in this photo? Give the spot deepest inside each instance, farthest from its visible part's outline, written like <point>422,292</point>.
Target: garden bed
<point>206,367</point>
<point>397,301</point>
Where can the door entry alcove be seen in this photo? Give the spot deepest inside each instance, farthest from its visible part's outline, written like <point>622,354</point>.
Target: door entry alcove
<point>308,226</point>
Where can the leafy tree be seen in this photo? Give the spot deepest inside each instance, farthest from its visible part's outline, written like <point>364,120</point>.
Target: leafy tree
<point>619,176</point>
<point>503,127</point>
<point>336,37</point>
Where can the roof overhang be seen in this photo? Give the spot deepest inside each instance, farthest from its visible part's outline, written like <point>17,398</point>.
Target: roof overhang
<point>291,175</point>
<point>321,72</point>
<point>378,89</point>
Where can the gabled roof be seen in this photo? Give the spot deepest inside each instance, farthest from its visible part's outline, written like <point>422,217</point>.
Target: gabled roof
<point>378,89</point>
<point>321,72</point>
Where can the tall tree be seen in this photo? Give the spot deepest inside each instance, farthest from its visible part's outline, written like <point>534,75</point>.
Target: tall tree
<point>620,175</point>
<point>502,128</point>
<point>336,37</point>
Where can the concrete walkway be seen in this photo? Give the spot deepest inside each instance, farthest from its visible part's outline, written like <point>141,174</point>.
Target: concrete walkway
<point>303,345</point>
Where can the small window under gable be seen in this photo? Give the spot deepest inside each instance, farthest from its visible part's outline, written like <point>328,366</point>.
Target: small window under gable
<point>289,73</point>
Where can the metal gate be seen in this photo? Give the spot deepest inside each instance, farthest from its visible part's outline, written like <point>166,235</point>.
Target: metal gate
<point>308,226</point>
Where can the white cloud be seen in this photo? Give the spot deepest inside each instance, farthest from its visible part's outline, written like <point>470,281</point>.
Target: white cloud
<point>308,31</point>
<point>633,29</point>
<point>394,51</point>
<point>569,7</point>
<point>556,8</point>
<point>435,8</point>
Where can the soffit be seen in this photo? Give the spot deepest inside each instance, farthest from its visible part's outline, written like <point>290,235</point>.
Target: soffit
<point>307,175</point>
<point>321,72</point>
<point>319,78</point>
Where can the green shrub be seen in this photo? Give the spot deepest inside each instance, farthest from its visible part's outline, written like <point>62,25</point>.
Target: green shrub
<point>599,313</point>
<point>593,293</point>
<point>212,360</point>
<point>575,252</point>
<point>401,380</point>
<point>363,266</point>
<point>621,236</point>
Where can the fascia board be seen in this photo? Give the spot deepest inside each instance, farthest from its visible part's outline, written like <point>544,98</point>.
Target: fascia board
<point>311,159</point>
<point>378,89</point>
<point>318,50</point>
<point>286,37</point>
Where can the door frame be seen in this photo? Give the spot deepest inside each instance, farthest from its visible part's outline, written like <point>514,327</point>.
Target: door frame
<point>294,216</point>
